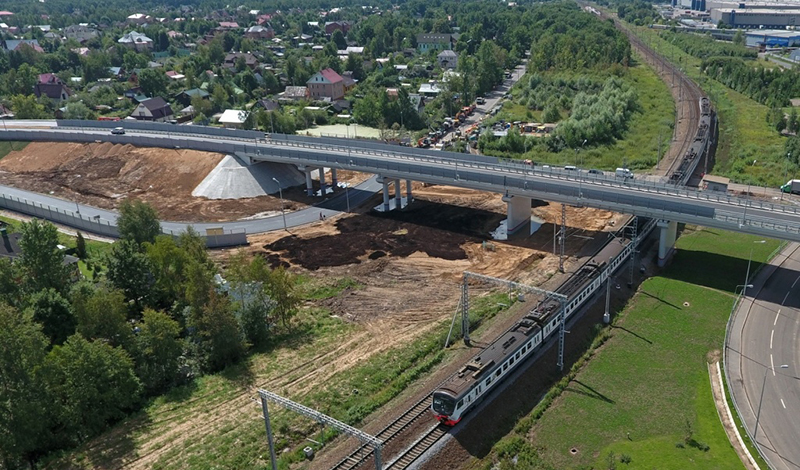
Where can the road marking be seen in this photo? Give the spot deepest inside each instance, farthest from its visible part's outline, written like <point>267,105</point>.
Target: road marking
<point>772,364</point>
<point>786,297</point>
<point>795,281</point>
<point>784,404</point>
<point>776,317</point>
<point>770,338</point>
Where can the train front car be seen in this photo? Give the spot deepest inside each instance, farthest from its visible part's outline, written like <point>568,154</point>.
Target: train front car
<point>444,407</point>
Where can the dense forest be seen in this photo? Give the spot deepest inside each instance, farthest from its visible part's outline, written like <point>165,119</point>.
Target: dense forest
<point>78,356</point>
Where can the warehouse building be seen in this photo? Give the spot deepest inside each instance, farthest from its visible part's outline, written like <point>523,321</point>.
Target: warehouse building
<point>772,38</point>
<point>756,17</point>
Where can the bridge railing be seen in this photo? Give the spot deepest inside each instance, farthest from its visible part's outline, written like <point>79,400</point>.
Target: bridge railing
<point>403,164</point>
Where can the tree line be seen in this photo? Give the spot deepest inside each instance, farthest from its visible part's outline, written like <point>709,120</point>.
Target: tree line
<point>771,87</point>
<point>705,47</point>
<point>77,357</point>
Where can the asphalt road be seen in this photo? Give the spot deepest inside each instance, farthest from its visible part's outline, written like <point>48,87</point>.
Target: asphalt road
<point>763,360</point>
<point>334,204</point>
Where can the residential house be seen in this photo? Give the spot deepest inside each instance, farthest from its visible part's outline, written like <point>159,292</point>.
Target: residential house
<point>263,19</point>
<point>9,248</point>
<point>154,109</point>
<point>328,85</point>
<point>80,33</point>
<point>173,75</point>
<point>427,42</point>
<point>331,26</point>
<point>174,34</point>
<point>259,32</point>
<point>136,41</point>
<point>82,51</point>
<point>117,73</point>
<point>429,89</point>
<point>139,18</point>
<point>344,53</point>
<point>228,25</point>
<point>16,44</point>
<point>267,105</point>
<point>233,118</point>
<point>233,57</point>
<point>447,59</point>
<point>417,101</point>
<point>185,97</point>
<point>51,86</point>
<point>294,93</point>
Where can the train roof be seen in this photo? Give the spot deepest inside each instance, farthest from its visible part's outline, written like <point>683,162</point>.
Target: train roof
<point>486,362</point>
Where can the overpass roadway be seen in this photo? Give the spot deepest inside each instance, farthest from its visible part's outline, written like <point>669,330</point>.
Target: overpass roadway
<point>643,198</point>
<point>762,360</point>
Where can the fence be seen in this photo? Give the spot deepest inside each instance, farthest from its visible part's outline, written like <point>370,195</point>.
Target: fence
<point>98,225</point>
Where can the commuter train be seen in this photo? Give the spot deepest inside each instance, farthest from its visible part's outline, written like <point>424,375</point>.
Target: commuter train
<point>700,145</point>
<point>457,395</point>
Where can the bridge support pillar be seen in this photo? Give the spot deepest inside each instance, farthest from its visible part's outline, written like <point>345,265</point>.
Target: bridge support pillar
<point>519,215</point>
<point>322,184</point>
<point>408,191</point>
<point>385,193</point>
<point>666,242</point>
<point>334,179</point>
<point>309,184</point>
<point>398,198</point>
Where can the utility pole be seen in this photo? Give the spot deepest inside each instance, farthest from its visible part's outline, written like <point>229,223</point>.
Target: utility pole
<point>561,237</point>
<point>658,158</point>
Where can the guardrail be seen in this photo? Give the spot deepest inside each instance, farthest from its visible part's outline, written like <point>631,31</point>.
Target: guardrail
<point>100,226</point>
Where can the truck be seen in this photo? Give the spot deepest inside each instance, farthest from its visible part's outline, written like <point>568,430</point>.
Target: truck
<point>791,186</point>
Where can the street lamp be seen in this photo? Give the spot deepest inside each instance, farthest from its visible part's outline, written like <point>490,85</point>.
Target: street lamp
<point>747,275</point>
<point>283,212</point>
<point>786,169</point>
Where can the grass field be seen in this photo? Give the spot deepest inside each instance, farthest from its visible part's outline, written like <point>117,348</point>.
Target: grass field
<point>226,429</point>
<point>745,135</point>
<point>639,148</point>
<point>644,397</point>
<point>7,146</point>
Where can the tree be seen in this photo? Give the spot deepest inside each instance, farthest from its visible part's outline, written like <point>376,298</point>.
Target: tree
<point>739,38</point>
<point>551,114</point>
<point>792,124</point>
<point>158,351</point>
<point>281,288</point>
<point>355,65</point>
<point>138,222</point>
<point>80,246</point>
<point>95,66</point>
<point>338,39</point>
<point>54,313</point>
<point>10,282</point>
<point>24,408</point>
<point>131,271</point>
<point>219,97</point>
<point>42,263</point>
<point>26,107</point>
<point>95,384</point>
<point>78,110</point>
<point>101,313</point>
<point>169,266</point>
<point>248,288</point>
<point>153,82</point>
<point>216,334</point>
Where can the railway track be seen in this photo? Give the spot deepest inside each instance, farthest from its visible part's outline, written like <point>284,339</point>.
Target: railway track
<point>411,454</point>
<point>688,90</point>
<point>363,452</point>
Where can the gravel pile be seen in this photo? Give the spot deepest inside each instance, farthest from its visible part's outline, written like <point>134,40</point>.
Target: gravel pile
<point>233,179</point>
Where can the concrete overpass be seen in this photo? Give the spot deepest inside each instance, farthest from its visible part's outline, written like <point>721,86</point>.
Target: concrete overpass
<point>518,182</point>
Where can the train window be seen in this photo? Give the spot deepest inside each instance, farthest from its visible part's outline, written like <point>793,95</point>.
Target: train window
<point>517,355</point>
<point>488,381</point>
<point>511,361</point>
<point>460,403</point>
<point>505,366</point>
<point>499,371</point>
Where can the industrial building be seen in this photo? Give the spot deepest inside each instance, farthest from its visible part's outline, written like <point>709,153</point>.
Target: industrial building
<point>756,17</point>
<point>772,38</point>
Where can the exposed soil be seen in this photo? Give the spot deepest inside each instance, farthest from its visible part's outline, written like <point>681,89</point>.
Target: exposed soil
<point>103,174</point>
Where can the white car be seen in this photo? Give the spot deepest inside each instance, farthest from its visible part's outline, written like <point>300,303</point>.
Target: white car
<point>118,130</point>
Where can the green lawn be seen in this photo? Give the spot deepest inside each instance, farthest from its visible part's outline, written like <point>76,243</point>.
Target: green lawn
<point>745,135</point>
<point>645,395</point>
<point>639,148</point>
<point>7,146</point>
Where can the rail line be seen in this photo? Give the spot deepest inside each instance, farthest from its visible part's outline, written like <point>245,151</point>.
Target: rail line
<point>411,454</point>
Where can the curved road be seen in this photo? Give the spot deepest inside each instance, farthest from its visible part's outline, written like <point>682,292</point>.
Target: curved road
<point>763,360</point>
<point>334,205</point>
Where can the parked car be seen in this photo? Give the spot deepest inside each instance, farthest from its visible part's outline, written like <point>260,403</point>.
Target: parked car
<point>118,130</point>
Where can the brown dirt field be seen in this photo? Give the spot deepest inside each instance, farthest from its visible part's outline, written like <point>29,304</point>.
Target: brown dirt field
<point>102,175</point>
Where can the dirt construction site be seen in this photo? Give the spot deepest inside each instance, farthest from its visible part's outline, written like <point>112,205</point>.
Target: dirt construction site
<point>407,264</point>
